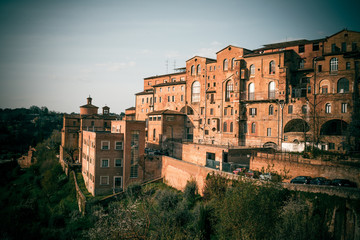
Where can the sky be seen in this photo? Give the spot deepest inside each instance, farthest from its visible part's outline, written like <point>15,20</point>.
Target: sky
<point>55,53</point>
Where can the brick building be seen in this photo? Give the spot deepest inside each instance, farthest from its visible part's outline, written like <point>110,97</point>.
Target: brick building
<point>284,95</point>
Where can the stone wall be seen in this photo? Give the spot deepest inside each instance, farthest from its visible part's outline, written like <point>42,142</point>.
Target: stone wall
<point>303,167</point>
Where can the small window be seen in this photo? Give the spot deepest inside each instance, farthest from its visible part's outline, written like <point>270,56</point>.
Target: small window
<point>198,69</point>
<point>301,64</point>
<point>252,70</point>
<point>104,180</point>
<point>348,65</point>
<point>117,182</point>
<point>290,109</point>
<point>182,98</point>
<point>252,111</point>
<point>272,67</point>
<point>328,108</point>
<point>231,127</point>
<point>192,70</point>
<point>271,110</point>
<point>319,68</point>
<point>105,145</point>
<point>269,132</point>
<point>173,98</point>
<point>331,146</point>
<point>316,46</point>
<point>211,111</point>
<point>253,128</point>
<point>344,107</point>
<point>324,89</point>
<point>206,132</point>
<point>233,63</point>
<point>304,109</point>
<point>301,48</point>
<point>134,171</point>
<point>119,145</point>
<point>333,65</point>
<point>154,134</point>
<point>343,86</point>
<point>225,65</point>
<point>104,163</point>
<point>118,162</point>
<point>354,46</point>
<point>159,99</point>
<point>225,111</point>
<point>334,48</point>
<point>343,47</point>
<point>225,127</point>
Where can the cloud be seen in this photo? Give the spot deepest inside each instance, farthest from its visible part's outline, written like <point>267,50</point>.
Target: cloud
<point>209,51</point>
<point>172,54</point>
<point>115,66</point>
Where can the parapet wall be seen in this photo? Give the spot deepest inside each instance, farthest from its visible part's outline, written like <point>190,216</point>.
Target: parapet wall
<point>177,173</point>
<point>301,168</point>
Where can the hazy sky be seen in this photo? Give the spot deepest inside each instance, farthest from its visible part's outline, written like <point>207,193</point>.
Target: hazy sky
<point>55,53</point>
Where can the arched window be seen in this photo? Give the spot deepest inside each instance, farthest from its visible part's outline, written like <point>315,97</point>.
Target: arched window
<point>301,64</point>
<point>195,92</point>
<point>192,70</point>
<point>251,91</point>
<point>272,67</point>
<point>343,85</point>
<point>253,127</point>
<point>271,110</point>
<point>229,88</point>
<point>328,108</point>
<point>233,63</point>
<point>198,69</point>
<point>225,65</point>
<point>271,90</point>
<point>252,70</point>
<point>333,65</point>
<point>231,127</point>
<point>225,127</point>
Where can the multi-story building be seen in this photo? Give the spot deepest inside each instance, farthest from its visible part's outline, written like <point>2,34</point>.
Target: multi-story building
<point>284,95</point>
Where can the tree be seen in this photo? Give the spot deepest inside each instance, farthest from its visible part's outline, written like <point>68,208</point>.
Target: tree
<point>71,151</point>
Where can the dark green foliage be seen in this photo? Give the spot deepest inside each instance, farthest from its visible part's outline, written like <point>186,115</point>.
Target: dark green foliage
<point>215,186</point>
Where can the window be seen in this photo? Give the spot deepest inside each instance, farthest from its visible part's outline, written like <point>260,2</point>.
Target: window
<point>173,98</point>
<point>290,109</point>
<point>154,134</point>
<point>348,65</point>
<point>225,65</point>
<point>211,111</point>
<point>206,132</point>
<point>301,48</point>
<point>309,89</point>
<point>343,85</point>
<point>231,127</point>
<point>251,91</point>
<point>117,182</point>
<point>198,69</point>
<point>195,92</point>
<point>192,70</point>
<point>104,163</point>
<point>142,100</point>
<point>229,88</point>
<point>169,99</point>
<point>316,46</point>
<point>272,67</point>
<point>168,89</point>
<point>225,111</point>
<point>324,89</point>
<point>160,89</point>
<point>331,146</point>
<point>333,64</point>
<point>319,68</point>
<point>104,180</point>
<point>304,109</point>
<point>271,90</point>
<point>328,108</point>
<point>252,111</point>
<point>252,70</point>
<point>105,145</point>
<point>253,127</point>
<point>210,68</point>
<point>118,162</point>
<point>344,107</point>
<point>134,171</point>
<point>225,127</point>
<point>271,110</point>
<point>301,64</point>
<point>182,88</point>
<point>343,47</point>
<point>333,48</point>
<point>159,99</point>
<point>233,63</point>
<point>269,132</point>
<point>119,145</point>
<point>182,98</point>
<point>354,46</point>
